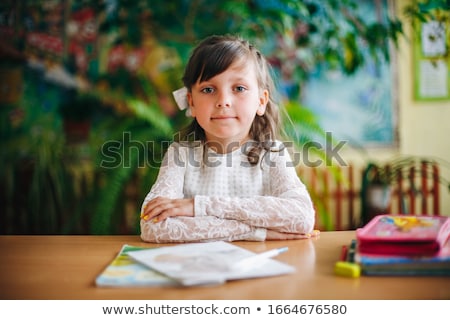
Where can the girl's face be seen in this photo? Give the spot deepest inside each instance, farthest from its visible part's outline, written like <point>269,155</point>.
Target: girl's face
<point>226,105</point>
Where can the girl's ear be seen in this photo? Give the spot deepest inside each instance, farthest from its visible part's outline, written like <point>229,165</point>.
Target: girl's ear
<point>263,100</point>
<point>191,103</point>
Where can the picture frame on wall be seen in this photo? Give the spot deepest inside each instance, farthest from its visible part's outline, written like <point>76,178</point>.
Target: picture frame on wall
<point>431,61</point>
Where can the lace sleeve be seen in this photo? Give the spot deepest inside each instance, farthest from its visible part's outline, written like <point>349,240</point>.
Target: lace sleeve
<point>288,207</point>
<point>193,229</point>
<point>169,184</point>
<point>170,179</point>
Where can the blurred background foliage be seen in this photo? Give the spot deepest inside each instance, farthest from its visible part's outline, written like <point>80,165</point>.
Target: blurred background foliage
<point>112,66</point>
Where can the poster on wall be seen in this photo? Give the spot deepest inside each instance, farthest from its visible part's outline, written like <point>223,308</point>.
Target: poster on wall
<point>360,108</point>
<point>432,61</point>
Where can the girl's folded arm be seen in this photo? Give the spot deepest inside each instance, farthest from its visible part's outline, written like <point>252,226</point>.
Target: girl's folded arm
<point>284,214</point>
<point>208,228</point>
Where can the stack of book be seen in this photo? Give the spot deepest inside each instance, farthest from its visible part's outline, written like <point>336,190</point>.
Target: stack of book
<point>400,245</point>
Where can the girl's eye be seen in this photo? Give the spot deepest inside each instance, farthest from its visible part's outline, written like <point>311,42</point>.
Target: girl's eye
<point>240,89</point>
<point>207,90</point>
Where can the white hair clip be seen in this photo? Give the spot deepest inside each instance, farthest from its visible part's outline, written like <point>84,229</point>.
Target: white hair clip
<point>180,96</point>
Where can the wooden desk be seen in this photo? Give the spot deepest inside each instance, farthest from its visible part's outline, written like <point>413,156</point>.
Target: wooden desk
<point>64,267</point>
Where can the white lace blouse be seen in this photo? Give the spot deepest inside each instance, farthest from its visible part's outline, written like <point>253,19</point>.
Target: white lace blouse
<point>233,200</point>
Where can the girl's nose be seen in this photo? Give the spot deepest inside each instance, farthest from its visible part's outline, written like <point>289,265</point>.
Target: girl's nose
<point>223,101</point>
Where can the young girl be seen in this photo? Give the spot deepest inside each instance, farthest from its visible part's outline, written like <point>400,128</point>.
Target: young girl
<point>228,177</point>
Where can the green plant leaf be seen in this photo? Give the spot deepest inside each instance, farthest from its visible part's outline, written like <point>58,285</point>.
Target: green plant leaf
<point>151,114</point>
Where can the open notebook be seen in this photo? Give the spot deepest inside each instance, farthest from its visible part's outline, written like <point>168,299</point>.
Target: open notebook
<point>207,263</point>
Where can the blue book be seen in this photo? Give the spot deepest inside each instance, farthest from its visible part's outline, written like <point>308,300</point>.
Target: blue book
<point>391,265</point>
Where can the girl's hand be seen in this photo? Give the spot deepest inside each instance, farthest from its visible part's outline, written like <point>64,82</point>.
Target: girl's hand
<point>275,235</point>
<point>160,208</point>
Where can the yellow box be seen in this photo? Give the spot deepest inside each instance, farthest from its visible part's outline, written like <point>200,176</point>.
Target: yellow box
<point>347,269</point>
